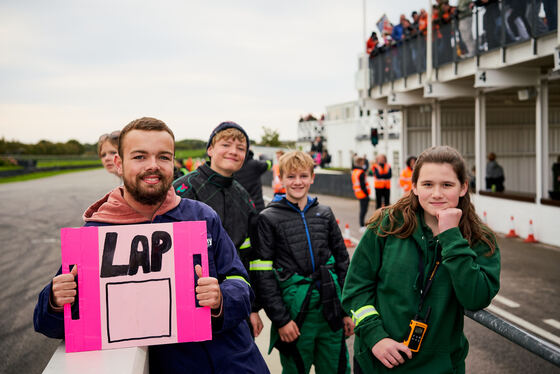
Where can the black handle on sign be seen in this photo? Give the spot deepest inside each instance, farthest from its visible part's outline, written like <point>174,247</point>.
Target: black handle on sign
<point>197,260</point>
<point>75,308</point>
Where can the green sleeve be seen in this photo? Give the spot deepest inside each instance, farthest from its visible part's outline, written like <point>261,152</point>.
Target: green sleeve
<point>360,289</point>
<point>474,272</point>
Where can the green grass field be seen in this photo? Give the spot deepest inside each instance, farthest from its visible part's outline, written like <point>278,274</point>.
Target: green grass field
<point>53,163</point>
<point>10,167</point>
<point>194,153</point>
<point>37,175</point>
<point>50,161</point>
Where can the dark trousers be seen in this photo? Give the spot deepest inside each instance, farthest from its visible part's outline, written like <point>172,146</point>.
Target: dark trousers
<point>364,203</point>
<point>382,196</point>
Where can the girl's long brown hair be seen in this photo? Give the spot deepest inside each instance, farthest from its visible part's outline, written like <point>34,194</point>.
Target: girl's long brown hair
<point>401,216</point>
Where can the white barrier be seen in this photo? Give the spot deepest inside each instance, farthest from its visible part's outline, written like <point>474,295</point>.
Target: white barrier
<point>111,361</point>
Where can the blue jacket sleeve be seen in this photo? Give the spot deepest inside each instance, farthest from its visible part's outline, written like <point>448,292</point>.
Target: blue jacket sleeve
<point>46,321</point>
<point>237,294</point>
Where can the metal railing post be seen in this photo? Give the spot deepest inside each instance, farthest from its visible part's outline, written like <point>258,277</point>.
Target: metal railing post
<point>541,348</point>
<point>503,25</point>
<point>477,35</point>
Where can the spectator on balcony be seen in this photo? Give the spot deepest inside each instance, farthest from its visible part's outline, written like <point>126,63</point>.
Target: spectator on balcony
<point>464,11</point>
<point>422,32</point>
<point>551,13</point>
<point>517,25</point>
<point>411,46</point>
<point>371,44</point>
<point>397,37</point>
<point>491,21</point>
<point>415,19</point>
<point>441,17</point>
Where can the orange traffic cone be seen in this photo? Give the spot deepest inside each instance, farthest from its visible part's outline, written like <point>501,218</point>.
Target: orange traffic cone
<point>531,236</point>
<point>347,241</point>
<point>511,233</point>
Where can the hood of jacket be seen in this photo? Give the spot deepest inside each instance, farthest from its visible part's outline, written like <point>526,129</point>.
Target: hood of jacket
<point>113,208</point>
<point>280,201</point>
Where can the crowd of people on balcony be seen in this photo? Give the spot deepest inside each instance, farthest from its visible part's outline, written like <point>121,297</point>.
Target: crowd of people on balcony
<point>455,32</point>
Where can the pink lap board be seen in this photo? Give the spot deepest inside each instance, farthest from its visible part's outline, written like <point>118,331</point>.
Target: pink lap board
<point>122,307</point>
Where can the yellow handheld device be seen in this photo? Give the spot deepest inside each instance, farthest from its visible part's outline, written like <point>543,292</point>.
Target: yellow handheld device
<point>415,336</point>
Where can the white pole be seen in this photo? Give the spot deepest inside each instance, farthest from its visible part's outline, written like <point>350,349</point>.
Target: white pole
<point>364,20</point>
<point>480,139</point>
<point>541,138</point>
<point>429,68</point>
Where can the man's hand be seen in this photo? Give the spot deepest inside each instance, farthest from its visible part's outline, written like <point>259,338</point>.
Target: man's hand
<point>256,323</point>
<point>388,351</point>
<point>208,291</point>
<point>448,218</point>
<point>348,326</point>
<point>64,288</point>
<point>289,332</point>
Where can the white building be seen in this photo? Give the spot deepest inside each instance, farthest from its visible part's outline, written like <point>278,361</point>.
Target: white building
<point>501,98</point>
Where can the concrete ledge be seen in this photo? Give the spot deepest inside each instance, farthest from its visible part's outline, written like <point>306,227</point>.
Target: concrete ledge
<point>111,361</point>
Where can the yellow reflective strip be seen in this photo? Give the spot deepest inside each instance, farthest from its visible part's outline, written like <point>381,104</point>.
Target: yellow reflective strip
<point>246,244</point>
<point>259,265</point>
<point>362,313</point>
<point>238,277</point>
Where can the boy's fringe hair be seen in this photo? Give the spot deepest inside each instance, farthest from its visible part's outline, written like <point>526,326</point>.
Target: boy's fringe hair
<point>295,160</point>
<point>401,217</point>
<point>230,133</point>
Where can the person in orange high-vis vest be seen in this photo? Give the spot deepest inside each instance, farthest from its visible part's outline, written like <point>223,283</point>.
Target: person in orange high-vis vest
<point>361,189</point>
<point>406,175</point>
<point>382,181</point>
<point>277,186</point>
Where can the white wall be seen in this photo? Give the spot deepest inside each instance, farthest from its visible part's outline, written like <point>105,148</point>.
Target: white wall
<point>498,212</point>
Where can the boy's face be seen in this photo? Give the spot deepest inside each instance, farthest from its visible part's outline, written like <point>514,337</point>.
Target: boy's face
<point>297,183</point>
<point>227,155</point>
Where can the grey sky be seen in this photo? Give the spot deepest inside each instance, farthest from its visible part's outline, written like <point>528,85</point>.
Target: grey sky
<point>76,69</point>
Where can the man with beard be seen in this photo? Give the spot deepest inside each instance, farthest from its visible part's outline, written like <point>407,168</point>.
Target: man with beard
<point>145,160</point>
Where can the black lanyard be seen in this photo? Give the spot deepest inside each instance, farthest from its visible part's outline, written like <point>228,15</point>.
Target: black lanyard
<point>428,284</point>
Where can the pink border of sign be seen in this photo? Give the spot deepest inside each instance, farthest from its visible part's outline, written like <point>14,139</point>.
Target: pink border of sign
<point>198,327</point>
<point>80,246</point>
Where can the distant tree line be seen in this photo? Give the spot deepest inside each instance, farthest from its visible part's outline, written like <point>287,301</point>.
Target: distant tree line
<point>45,147</point>
<point>190,144</point>
<point>74,147</point>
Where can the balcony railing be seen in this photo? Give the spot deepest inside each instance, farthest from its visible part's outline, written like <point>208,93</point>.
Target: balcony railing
<point>497,25</point>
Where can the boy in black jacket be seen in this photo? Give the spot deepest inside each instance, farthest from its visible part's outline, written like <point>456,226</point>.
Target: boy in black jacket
<point>213,184</point>
<point>302,269</point>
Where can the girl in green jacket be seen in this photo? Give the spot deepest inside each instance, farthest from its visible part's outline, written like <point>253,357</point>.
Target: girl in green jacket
<point>420,264</point>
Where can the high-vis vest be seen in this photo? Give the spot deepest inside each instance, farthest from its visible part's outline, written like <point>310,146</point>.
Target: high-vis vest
<point>406,179</point>
<point>276,183</point>
<point>360,194</point>
<point>381,183</point>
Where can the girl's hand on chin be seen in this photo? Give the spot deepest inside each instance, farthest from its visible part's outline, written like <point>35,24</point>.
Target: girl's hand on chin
<point>448,218</point>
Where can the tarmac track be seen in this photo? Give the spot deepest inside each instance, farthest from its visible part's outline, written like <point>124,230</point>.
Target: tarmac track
<point>32,213</point>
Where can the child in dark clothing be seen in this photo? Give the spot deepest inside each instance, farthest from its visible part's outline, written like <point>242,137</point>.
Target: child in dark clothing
<point>302,270</point>
<point>213,184</point>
